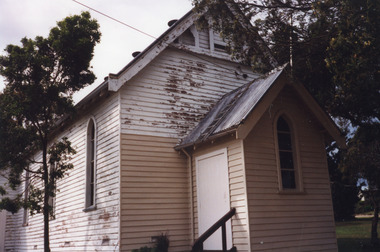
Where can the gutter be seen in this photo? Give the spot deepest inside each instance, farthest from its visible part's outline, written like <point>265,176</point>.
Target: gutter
<point>209,139</point>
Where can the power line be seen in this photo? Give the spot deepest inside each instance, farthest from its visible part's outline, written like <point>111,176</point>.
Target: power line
<point>114,19</point>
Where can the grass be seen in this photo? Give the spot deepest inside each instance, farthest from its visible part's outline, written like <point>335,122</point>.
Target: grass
<point>354,236</point>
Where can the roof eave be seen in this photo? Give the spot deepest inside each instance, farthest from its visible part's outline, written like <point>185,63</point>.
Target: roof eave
<point>116,81</point>
<point>208,140</point>
<point>324,118</point>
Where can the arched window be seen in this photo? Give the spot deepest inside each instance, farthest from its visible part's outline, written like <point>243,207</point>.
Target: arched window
<point>286,155</point>
<point>90,165</point>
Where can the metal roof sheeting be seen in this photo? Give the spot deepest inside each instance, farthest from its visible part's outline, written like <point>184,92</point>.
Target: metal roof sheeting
<point>232,109</point>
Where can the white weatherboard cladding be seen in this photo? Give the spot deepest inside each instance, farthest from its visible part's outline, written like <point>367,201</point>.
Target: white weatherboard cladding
<point>170,96</point>
<point>3,216</point>
<point>73,229</point>
<point>213,196</point>
<point>3,223</point>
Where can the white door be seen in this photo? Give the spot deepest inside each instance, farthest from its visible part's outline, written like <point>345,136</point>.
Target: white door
<point>213,196</point>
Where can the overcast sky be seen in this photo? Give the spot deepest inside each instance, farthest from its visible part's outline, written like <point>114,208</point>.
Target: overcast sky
<point>31,18</point>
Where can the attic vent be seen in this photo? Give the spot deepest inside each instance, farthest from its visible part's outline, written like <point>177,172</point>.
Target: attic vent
<point>172,22</point>
<point>219,47</point>
<point>188,38</point>
<point>134,54</point>
<point>105,241</point>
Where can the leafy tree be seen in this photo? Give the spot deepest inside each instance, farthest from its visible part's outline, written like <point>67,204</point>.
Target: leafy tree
<point>344,189</point>
<point>41,76</point>
<point>363,157</point>
<point>333,45</point>
<point>353,57</point>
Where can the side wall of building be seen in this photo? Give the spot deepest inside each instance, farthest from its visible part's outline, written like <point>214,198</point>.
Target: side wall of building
<point>73,229</point>
<point>289,221</point>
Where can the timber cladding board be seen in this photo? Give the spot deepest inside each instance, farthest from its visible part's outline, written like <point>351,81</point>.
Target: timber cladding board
<point>289,221</point>
<point>72,228</point>
<point>174,91</point>
<point>154,192</point>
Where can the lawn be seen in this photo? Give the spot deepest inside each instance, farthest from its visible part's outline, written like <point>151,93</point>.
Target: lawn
<point>354,236</point>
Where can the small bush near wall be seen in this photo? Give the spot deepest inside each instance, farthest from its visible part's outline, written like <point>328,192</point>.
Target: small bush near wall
<point>145,249</point>
<point>161,245</point>
<point>364,207</point>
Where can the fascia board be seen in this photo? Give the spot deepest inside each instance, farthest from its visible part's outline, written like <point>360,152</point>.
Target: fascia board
<point>325,120</point>
<point>115,81</point>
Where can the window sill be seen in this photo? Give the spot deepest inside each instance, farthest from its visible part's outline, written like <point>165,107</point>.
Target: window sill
<point>89,209</point>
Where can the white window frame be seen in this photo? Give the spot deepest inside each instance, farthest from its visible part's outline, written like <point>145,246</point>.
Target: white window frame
<point>52,199</point>
<point>91,151</point>
<point>25,216</point>
<point>296,155</point>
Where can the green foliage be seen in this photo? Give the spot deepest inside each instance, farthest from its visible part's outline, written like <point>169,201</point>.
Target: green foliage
<point>41,76</point>
<point>14,142</point>
<point>364,207</point>
<point>232,20</point>
<point>161,245</point>
<point>363,159</point>
<point>344,190</point>
<point>363,154</point>
<point>11,205</point>
<point>354,59</point>
<point>145,249</point>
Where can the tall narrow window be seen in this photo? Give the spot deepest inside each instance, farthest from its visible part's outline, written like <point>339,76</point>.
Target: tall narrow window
<point>51,201</point>
<point>91,165</point>
<point>286,154</point>
<point>26,197</point>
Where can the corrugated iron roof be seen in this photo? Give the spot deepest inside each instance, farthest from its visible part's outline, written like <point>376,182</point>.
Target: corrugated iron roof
<point>232,109</point>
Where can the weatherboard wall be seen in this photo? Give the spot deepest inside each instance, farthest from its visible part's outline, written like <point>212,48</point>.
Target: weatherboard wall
<point>159,106</point>
<point>289,221</point>
<point>170,96</point>
<point>73,229</point>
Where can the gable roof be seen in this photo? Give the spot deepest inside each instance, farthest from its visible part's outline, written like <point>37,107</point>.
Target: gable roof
<point>115,81</point>
<point>233,112</point>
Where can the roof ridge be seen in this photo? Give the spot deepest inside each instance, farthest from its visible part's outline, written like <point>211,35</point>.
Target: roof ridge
<point>239,92</point>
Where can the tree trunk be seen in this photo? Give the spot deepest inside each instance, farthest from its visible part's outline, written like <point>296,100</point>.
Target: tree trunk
<point>375,220</point>
<point>46,200</point>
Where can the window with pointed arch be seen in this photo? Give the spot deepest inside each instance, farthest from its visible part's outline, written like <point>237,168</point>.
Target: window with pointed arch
<point>90,166</point>
<point>287,156</point>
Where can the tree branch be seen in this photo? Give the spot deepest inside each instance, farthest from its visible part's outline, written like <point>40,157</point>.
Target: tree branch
<point>279,4</point>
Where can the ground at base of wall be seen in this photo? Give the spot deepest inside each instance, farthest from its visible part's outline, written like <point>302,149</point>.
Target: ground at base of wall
<point>354,236</point>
